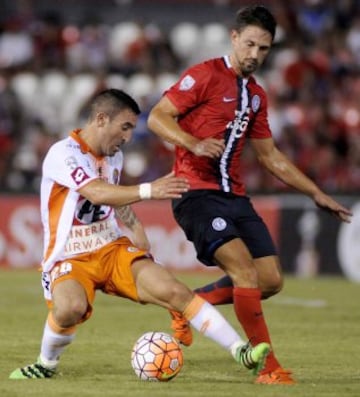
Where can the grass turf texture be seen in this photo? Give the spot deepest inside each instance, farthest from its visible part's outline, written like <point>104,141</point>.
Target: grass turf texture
<point>314,325</point>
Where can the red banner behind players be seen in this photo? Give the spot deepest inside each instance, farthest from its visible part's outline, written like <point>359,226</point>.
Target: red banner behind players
<point>21,232</point>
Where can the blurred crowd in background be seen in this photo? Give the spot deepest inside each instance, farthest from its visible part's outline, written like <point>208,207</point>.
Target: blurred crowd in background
<point>53,57</point>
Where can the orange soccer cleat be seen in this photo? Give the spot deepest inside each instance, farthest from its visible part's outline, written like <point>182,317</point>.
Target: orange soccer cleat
<point>279,376</point>
<point>181,328</point>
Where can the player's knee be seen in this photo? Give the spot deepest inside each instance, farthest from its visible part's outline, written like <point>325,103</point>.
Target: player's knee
<point>70,314</point>
<point>271,286</point>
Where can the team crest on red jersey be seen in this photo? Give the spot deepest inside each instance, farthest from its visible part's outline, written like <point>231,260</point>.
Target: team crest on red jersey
<point>255,103</point>
<point>186,83</point>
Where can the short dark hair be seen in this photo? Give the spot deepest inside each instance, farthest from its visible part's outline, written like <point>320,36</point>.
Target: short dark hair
<point>255,15</point>
<point>112,101</point>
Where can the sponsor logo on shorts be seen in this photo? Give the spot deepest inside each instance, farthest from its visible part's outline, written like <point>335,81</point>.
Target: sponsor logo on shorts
<point>60,270</point>
<point>219,224</point>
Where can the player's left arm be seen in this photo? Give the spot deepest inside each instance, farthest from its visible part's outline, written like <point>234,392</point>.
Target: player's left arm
<point>128,217</point>
<point>280,166</point>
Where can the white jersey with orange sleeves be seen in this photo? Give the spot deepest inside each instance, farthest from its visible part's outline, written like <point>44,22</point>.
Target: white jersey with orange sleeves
<point>73,225</point>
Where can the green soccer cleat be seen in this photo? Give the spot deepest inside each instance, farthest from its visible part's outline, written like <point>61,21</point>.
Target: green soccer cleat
<point>33,371</point>
<point>252,357</point>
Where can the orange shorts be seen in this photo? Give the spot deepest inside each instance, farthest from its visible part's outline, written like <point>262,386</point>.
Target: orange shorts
<point>107,269</point>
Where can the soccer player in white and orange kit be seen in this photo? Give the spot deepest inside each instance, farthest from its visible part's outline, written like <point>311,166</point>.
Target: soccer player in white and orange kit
<point>85,249</point>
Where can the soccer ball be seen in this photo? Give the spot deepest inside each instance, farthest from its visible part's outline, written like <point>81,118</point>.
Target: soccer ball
<point>156,356</point>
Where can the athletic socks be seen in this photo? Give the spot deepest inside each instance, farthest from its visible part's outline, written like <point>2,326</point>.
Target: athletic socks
<point>54,341</point>
<point>248,309</point>
<point>219,292</point>
<point>209,322</point>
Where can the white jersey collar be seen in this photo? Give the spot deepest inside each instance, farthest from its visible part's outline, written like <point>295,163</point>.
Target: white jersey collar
<point>227,61</point>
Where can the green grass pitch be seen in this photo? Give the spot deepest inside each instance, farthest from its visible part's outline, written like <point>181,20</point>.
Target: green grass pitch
<point>315,328</point>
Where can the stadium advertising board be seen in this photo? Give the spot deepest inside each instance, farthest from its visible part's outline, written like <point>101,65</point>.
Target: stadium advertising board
<point>310,242</point>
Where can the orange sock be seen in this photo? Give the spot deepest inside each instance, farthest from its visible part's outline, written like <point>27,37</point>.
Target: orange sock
<point>193,308</point>
<point>247,305</point>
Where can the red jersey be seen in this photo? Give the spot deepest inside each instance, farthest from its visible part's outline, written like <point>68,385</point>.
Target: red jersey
<point>214,101</point>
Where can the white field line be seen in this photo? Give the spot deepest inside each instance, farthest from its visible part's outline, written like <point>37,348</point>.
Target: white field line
<point>303,302</point>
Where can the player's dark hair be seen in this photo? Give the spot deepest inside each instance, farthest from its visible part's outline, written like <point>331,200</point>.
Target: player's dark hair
<point>255,15</point>
<point>112,101</point>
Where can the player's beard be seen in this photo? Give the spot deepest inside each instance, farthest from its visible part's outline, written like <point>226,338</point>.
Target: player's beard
<point>248,67</point>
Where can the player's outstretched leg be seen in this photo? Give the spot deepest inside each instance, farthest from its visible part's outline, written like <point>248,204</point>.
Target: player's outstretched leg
<point>209,322</point>
<point>37,370</point>
<point>217,293</point>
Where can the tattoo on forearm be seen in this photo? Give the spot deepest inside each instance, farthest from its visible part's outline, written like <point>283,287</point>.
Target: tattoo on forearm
<point>127,216</point>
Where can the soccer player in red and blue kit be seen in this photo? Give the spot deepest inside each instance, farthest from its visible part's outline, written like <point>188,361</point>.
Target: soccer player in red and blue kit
<point>209,114</point>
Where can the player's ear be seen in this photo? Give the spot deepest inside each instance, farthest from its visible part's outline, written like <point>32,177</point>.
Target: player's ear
<point>234,34</point>
<point>101,119</point>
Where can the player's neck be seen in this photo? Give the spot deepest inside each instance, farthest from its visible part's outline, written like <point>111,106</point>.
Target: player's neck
<point>88,136</point>
<point>236,67</point>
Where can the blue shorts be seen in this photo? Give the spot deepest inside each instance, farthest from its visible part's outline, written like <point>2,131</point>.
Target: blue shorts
<point>210,218</point>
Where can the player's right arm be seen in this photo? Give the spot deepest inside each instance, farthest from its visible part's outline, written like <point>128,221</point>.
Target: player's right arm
<point>99,192</point>
<point>162,121</point>
<point>67,166</point>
